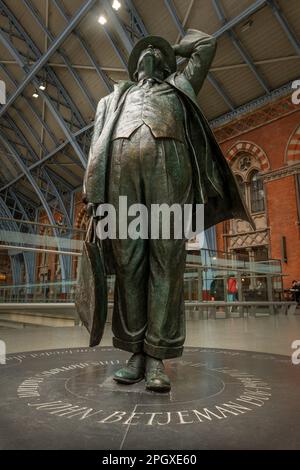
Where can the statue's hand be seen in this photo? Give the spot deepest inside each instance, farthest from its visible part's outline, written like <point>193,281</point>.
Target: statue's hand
<point>181,50</point>
<point>91,209</point>
<point>176,49</point>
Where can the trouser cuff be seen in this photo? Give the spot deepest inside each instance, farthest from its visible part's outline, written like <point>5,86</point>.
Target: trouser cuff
<point>134,347</point>
<point>162,352</point>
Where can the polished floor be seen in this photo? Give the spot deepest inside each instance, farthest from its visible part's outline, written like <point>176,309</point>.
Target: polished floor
<point>220,399</point>
<point>235,387</point>
<point>274,334</point>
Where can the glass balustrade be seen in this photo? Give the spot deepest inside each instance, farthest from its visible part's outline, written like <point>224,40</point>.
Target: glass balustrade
<point>45,267</point>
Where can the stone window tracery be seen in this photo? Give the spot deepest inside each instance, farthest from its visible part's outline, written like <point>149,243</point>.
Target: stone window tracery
<point>244,163</point>
<point>257,195</point>
<point>241,184</point>
<point>249,162</point>
<point>247,172</point>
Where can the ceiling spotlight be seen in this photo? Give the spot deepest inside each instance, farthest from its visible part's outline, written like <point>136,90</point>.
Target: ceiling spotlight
<point>116,5</point>
<point>35,95</point>
<point>102,20</point>
<point>42,87</point>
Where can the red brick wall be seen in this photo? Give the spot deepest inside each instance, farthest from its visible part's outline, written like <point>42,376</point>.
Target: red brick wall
<point>281,198</point>
<point>283,221</point>
<point>272,137</point>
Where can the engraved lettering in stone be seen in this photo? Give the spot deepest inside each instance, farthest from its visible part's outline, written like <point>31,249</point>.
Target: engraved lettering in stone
<point>248,399</point>
<point>71,410</point>
<point>223,411</point>
<point>29,388</point>
<point>131,417</point>
<point>85,414</point>
<point>166,422</point>
<point>182,415</point>
<point>113,418</point>
<point>235,406</point>
<point>207,414</point>
<point>152,416</point>
<point>255,393</point>
<point>40,406</point>
<point>60,408</point>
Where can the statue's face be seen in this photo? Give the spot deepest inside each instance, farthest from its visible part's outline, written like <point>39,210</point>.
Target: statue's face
<point>151,64</point>
<point>152,52</point>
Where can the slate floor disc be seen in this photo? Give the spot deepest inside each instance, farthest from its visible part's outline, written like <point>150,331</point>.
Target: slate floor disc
<point>220,399</point>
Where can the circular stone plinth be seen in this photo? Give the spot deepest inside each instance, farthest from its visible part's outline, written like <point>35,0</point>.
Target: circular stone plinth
<point>220,399</point>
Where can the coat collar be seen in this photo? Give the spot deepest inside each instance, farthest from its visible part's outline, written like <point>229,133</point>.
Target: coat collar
<point>179,81</point>
<point>122,86</point>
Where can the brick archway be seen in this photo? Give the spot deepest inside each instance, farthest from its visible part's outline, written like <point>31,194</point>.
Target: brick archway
<point>253,149</point>
<point>293,148</point>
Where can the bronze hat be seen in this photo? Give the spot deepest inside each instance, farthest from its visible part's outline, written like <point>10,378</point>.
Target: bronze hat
<point>157,42</point>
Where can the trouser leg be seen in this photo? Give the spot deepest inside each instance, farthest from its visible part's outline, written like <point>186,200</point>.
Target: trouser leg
<point>131,259</point>
<point>131,291</point>
<point>171,183</point>
<point>165,333</point>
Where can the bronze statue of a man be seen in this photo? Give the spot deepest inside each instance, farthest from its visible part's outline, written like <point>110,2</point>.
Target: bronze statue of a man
<point>152,144</point>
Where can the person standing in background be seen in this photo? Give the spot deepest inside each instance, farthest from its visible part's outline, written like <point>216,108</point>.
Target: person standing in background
<point>232,289</point>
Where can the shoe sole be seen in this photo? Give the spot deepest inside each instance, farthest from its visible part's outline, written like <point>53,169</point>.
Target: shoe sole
<point>127,381</point>
<point>158,389</point>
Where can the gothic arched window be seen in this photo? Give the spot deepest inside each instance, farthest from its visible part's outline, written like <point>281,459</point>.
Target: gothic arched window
<point>257,195</point>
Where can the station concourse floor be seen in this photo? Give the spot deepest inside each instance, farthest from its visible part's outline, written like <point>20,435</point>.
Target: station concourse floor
<point>236,374</point>
<point>273,334</point>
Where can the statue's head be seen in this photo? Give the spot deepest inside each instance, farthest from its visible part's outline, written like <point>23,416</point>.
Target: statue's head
<point>151,57</point>
<point>151,64</point>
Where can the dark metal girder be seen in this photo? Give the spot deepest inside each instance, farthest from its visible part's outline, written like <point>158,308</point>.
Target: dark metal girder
<point>13,227</point>
<point>213,81</point>
<point>139,22</point>
<point>60,179</point>
<point>282,20</point>
<point>52,108</point>
<point>66,60</point>
<point>38,191</point>
<point>48,178</point>
<point>21,207</point>
<point>30,106</point>
<point>118,26</point>
<point>240,48</point>
<point>51,75</point>
<point>47,157</point>
<point>52,49</point>
<point>253,8</point>
<point>90,55</point>
<point>27,199</point>
<point>52,78</point>
<point>29,258</point>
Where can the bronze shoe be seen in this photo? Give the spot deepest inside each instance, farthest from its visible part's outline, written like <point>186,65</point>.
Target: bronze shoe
<point>156,377</point>
<point>133,372</point>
